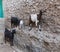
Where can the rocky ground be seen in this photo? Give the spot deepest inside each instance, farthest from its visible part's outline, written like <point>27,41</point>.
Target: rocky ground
<point>33,41</point>
<point>47,40</point>
<point>37,41</point>
<point>8,48</point>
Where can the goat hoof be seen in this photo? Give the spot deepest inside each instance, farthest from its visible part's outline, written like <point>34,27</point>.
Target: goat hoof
<point>30,28</point>
<point>5,42</point>
<point>39,29</point>
<point>11,44</point>
<point>1,43</point>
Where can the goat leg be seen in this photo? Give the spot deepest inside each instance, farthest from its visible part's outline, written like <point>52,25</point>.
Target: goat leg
<point>39,28</point>
<point>11,42</point>
<point>5,39</point>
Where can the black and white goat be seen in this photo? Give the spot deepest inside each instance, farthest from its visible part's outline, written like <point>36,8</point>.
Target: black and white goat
<point>35,19</point>
<point>17,22</point>
<point>9,35</point>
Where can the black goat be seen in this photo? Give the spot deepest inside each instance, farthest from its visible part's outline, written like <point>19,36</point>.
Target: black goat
<point>15,21</point>
<point>9,36</point>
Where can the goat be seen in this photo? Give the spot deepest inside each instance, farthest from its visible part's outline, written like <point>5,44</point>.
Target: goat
<point>9,36</point>
<point>17,22</point>
<point>35,18</point>
<point>14,21</point>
